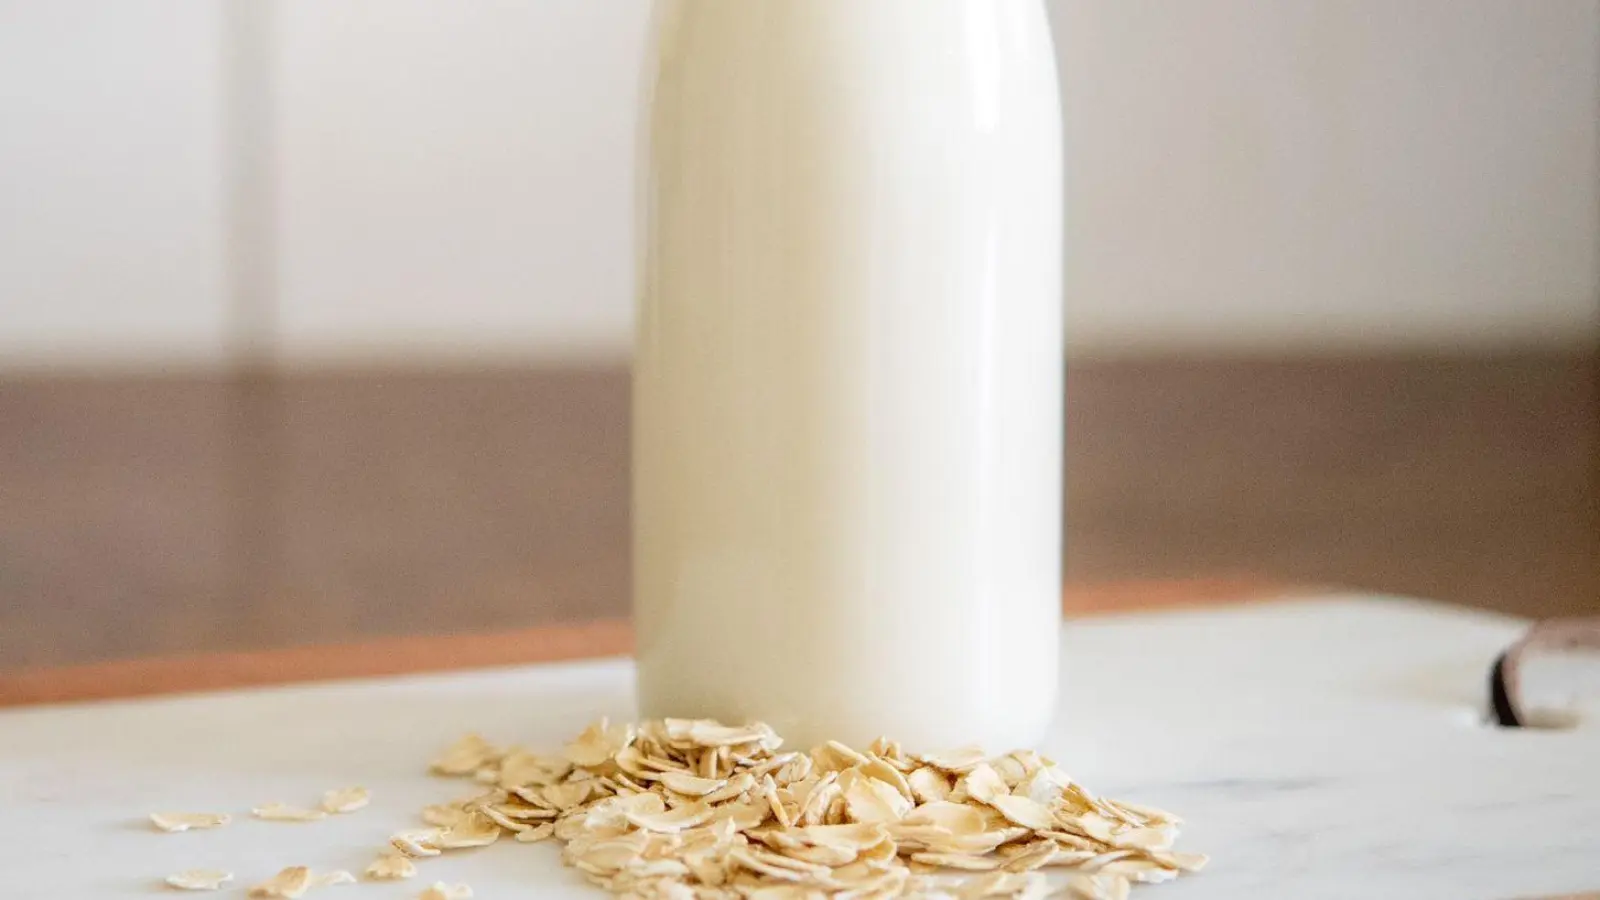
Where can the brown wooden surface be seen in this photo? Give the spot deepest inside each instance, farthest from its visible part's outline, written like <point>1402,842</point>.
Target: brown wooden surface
<point>551,643</point>
<point>174,515</point>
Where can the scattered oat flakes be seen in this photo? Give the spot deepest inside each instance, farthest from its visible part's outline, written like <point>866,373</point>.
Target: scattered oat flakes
<point>282,812</point>
<point>442,891</point>
<point>869,800</point>
<point>290,883</point>
<point>475,830</point>
<point>329,879</point>
<point>200,879</point>
<point>417,844</point>
<point>599,743</point>
<point>442,816</point>
<point>681,809</point>
<point>963,760</point>
<point>983,783</point>
<point>345,800</point>
<point>466,757</point>
<point>391,867</point>
<point>537,833</point>
<point>1023,811</point>
<point>183,821</point>
<point>692,785</point>
<point>1097,887</point>
<point>967,862</point>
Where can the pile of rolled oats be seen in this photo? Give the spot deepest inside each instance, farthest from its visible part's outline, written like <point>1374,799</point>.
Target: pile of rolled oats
<point>681,809</point>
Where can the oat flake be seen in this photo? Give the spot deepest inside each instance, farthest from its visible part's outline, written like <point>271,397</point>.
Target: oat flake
<point>200,879</point>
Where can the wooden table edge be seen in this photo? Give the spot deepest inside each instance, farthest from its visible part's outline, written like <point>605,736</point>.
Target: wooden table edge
<point>394,656</point>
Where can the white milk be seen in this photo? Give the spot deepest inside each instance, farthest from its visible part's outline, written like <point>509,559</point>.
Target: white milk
<point>848,388</point>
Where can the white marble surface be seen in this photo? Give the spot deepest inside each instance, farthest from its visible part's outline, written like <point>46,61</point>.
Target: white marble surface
<point>1323,748</point>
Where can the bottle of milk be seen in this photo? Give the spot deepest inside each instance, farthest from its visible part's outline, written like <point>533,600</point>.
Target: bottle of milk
<point>848,383</point>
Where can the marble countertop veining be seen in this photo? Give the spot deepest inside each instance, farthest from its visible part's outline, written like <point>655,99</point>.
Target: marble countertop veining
<point>1329,747</point>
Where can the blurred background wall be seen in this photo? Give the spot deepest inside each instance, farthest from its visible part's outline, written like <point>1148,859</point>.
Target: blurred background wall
<point>453,180</point>
<point>314,316</point>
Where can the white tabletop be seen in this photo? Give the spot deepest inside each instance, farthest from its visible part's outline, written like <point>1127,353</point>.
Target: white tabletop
<point>1319,748</point>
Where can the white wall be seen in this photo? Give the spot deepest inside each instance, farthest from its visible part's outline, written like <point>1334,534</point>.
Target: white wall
<point>1308,172</point>
<point>111,198</point>
<point>454,179</point>
<point>457,177</point>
